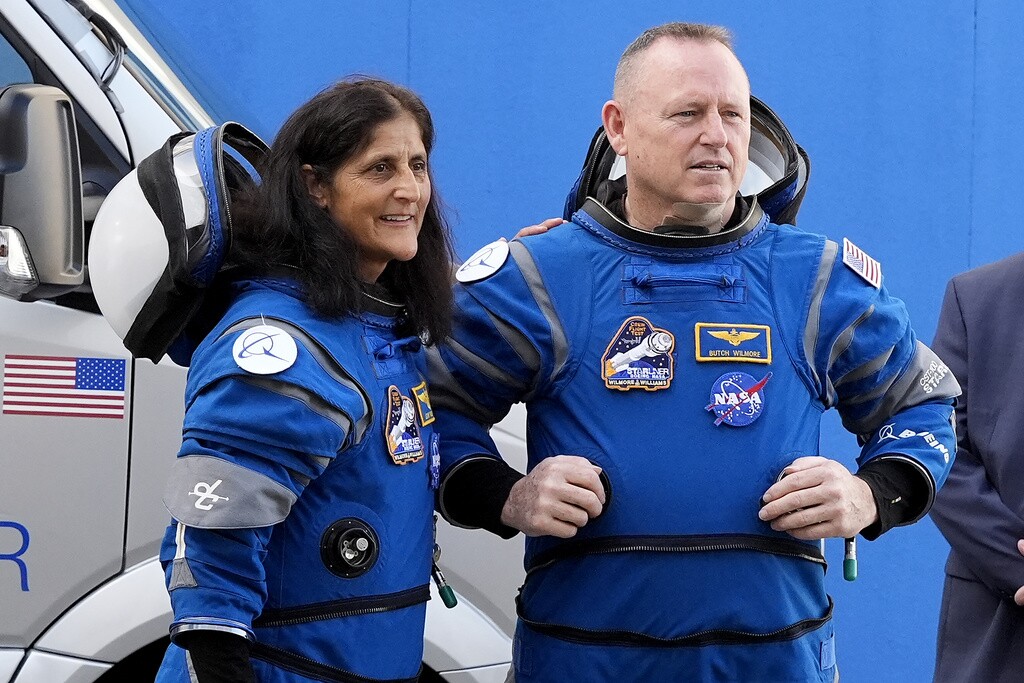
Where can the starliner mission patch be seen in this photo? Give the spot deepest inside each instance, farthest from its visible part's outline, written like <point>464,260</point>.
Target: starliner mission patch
<point>401,432</point>
<point>638,357</point>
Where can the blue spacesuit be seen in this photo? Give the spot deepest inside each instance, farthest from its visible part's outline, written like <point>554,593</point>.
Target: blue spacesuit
<point>303,481</point>
<point>692,369</point>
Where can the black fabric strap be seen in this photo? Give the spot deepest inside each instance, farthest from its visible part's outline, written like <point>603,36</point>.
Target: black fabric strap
<point>703,543</point>
<point>335,609</point>
<point>703,638</point>
<point>217,657</point>
<point>315,670</point>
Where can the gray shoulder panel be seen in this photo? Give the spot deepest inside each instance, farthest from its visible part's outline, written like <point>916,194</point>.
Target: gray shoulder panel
<point>326,361</point>
<point>207,492</point>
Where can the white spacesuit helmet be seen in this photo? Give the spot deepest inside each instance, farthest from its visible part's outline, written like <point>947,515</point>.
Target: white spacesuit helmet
<point>776,173</point>
<point>164,232</point>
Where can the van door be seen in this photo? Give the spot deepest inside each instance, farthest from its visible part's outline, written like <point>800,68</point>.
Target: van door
<point>66,385</point>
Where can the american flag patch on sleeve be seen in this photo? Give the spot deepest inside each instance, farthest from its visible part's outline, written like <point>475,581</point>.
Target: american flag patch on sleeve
<point>862,264</point>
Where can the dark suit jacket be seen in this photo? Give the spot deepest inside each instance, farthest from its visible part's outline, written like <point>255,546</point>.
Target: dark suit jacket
<point>980,510</point>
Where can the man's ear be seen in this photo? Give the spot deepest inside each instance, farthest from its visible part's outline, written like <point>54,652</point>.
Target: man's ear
<point>614,120</point>
<point>313,186</point>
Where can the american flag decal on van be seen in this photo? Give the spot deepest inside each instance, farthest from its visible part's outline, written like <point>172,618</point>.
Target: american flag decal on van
<point>64,386</point>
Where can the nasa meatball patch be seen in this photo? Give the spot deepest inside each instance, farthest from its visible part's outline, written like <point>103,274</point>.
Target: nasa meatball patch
<point>737,399</point>
<point>638,357</point>
<point>400,429</point>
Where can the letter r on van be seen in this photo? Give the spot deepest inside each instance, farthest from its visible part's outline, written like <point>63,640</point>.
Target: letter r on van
<point>16,556</point>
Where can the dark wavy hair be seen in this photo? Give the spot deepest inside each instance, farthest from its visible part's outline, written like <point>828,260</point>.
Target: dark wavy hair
<point>278,223</point>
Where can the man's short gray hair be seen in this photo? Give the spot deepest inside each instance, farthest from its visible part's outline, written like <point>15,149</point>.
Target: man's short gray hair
<point>678,30</point>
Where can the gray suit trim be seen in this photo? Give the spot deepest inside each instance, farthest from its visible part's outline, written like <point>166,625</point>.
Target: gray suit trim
<point>181,575</point>
<point>446,393</point>
<point>840,346</point>
<point>528,267</point>
<point>828,258</point>
<point>485,368</point>
<point>307,397</point>
<point>326,361</point>
<point>207,492</point>
<point>192,677</point>
<point>519,343</point>
<point>909,389</point>
<point>867,369</point>
<point>182,628</point>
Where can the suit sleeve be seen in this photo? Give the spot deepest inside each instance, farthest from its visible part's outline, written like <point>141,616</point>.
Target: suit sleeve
<point>507,343</point>
<point>251,444</point>
<point>891,390</point>
<point>969,510</point>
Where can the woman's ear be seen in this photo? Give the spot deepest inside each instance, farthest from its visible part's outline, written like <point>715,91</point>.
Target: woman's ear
<point>313,186</point>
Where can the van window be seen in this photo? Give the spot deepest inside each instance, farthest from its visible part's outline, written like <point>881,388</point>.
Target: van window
<point>13,68</point>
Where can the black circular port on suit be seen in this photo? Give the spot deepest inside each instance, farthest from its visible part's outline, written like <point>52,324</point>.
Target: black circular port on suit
<point>349,547</point>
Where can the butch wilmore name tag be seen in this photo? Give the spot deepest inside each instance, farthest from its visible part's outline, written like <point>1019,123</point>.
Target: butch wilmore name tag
<point>735,342</point>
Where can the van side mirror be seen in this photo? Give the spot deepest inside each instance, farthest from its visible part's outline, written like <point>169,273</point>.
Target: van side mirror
<point>42,233</point>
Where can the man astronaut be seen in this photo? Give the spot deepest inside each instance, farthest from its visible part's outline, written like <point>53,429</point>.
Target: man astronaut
<point>663,541</point>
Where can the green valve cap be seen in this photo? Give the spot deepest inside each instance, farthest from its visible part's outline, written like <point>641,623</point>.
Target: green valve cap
<point>448,596</point>
<point>849,570</point>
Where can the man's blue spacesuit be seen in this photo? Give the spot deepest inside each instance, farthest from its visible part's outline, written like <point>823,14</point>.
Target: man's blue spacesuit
<point>692,370</point>
<point>303,481</point>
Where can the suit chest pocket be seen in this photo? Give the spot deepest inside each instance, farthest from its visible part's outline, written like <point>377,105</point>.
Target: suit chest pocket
<point>657,282</point>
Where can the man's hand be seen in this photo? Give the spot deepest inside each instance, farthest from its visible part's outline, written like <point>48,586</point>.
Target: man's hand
<point>540,228</point>
<point>1018,597</point>
<point>560,495</point>
<point>819,498</point>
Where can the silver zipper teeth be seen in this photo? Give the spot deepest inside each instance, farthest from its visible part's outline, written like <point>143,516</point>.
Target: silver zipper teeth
<point>329,615</point>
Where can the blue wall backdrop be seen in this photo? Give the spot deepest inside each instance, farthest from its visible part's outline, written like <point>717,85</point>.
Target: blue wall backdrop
<point>909,111</point>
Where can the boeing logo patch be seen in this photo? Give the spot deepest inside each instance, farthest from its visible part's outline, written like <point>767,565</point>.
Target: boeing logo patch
<point>483,263</point>
<point>638,357</point>
<point>737,399</point>
<point>736,342</point>
<point>264,350</point>
<point>400,429</point>
<point>887,432</point>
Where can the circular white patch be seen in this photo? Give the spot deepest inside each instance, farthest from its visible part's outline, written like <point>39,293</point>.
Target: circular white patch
<point>264,350</point>
<point>483,263</point>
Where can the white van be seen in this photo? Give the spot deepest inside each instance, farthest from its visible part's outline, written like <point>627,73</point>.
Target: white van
<point>87,432</point>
